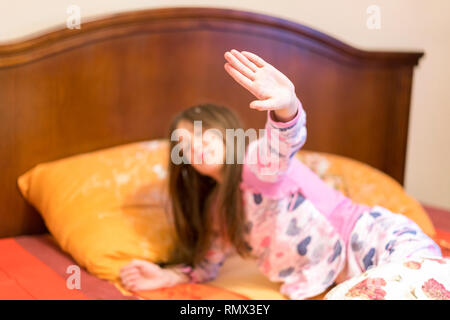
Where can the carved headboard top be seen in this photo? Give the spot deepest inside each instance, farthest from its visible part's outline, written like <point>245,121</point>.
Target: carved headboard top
<point>122,78</point>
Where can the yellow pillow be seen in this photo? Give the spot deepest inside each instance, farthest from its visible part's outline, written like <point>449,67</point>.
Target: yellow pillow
<point>364,184</point>
<point>106,207</point>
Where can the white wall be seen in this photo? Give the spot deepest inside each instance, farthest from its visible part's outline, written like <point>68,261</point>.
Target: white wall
<point>405,24</point>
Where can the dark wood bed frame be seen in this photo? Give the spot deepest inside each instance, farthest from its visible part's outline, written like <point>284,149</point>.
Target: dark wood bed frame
<point>121,78</point>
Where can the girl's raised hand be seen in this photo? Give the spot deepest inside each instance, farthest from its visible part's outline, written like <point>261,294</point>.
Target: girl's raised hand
<point>272,88</point>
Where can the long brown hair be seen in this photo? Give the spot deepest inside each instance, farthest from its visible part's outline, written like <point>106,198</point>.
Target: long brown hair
<point>191,192</point>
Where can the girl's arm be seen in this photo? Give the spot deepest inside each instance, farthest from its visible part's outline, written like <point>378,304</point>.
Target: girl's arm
<point>145,275</point>
<point>269,157</point>
<point>285,131</point>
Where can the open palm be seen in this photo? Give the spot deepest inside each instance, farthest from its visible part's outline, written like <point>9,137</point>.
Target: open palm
<point>272,88</point>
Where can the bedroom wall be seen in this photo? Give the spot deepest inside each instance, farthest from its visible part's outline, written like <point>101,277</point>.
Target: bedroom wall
<point>405,25</point>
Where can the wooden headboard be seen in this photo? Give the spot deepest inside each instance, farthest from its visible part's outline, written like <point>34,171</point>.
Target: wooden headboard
<point>121,78</point>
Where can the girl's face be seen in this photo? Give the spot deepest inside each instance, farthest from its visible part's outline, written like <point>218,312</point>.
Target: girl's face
<point>205,146</point>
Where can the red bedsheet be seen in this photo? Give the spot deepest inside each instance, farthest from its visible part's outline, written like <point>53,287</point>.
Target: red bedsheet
<point>34,267</point>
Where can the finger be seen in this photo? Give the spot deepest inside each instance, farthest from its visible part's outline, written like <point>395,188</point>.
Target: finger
<point>255,59</point>
<point>239,66</point>
<point>127,279</point>
<point>137,261</point>
<point>236,75</point>
<point>135,286</point>
<point>128,268</point>
<point>147,267</point>
<point>130,286</point>
<point>127,282</point>
<point>244,60</point>
<point>130,278</point>
<point>262,104</point>
<point>257,108</point>
<point>129,272</point>
<point>131,265</point>
<point>140,263</point>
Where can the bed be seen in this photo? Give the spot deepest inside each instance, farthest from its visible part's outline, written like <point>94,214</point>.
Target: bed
<point>120,79</point>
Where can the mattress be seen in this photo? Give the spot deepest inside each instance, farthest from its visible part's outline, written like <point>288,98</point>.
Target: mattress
<point>34,268</point>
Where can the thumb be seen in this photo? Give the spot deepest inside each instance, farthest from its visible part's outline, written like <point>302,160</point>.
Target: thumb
<point>262,104</point>
<point>142,263</point>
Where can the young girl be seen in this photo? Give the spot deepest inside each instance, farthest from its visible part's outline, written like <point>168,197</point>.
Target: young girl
<point>303,233</point>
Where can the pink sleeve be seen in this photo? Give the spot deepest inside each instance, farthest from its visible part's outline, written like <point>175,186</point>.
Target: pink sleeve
<point>268,158</point>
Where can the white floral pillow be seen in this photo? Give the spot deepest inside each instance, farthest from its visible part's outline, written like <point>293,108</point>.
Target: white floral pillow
<point>418,278</point>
